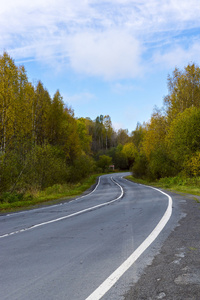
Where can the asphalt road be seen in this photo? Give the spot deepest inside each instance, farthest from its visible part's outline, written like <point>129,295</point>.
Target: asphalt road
<point>67,251</point>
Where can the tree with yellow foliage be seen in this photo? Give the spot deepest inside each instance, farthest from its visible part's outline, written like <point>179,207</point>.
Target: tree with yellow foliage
<point>184,90</point>
<point>183,138</point>
<point>9,89</point>
<point>130,151</point>
<point>154,137</point>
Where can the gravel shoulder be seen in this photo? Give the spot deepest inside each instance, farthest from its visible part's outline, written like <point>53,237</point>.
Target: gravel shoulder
<point>174,274</point>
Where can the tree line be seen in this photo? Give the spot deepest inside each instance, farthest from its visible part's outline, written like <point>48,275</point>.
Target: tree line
<point>169,144</point>
<point>42,143</point>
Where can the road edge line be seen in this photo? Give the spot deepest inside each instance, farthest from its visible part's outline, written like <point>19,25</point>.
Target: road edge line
<point>115,276</point>
<point>68,216</point>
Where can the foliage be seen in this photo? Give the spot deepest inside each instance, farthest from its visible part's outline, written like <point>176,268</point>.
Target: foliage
<point>183,138</point>
<point>155,133</point>
<point>85,137</point>
<point>104,162</point>
<point>53,194</point>
<point>160,165</point>
<point>137,136</point>
<point>103,135</point>
<point>129,151</point>
<point>122,136</point>
<point>9,197</point>
<point>140,166</point>
<point>120,160</point>
<point>192,166</point>
<point>40,139</point>
<point>168,145</point>
<point>184,90</point>
<point>178,184</point>
<point>82,167</point>
<point>42,144</point>
<point>10,170</point>
<point>45,166</point>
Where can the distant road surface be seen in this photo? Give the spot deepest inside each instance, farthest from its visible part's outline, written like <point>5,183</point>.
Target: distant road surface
<point>93,247</point>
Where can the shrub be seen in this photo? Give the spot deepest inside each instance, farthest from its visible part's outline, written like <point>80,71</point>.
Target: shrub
<point>45,166</point>
<point>161,165</point>
<point>140,166</point>
<point>9,197</point>
<point>81,168</point>
<point>104,162</point>
<point>192,165</point>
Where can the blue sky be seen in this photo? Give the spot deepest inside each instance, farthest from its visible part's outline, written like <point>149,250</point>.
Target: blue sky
<point>105,57</point>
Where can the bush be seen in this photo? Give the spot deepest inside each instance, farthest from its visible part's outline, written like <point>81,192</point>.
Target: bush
<point>192,165</point>
<point>140,166</point>
<point>121,161</point>
<point>161,165</point>
<point>45,166</point>
<point>183,138</point>
<point>9,197</point>
<point>104,162</point>
<point>40,167</point>
<point>10,168</point>
<point>81,168</point>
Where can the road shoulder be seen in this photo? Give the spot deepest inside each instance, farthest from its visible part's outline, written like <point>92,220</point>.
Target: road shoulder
<point>174,274</point>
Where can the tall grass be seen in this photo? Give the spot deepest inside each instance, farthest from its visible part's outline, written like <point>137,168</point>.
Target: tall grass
<point>53,194</point>
<point>178,184</point>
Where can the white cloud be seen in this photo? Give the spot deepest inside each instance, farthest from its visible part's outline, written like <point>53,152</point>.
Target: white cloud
<point>121,88</point>
<point>98,38</point>
<point>110,54</point>
<point>117,125</point>
<point>177,56</point>
<point>81,98</point>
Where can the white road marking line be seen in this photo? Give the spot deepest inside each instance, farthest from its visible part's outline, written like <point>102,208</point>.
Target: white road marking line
<point>31,210</point>
<point>119,186</point>
<point>68,216</point>
<point>114,277</point>
<point>47,207</point>
<point>91,191</point>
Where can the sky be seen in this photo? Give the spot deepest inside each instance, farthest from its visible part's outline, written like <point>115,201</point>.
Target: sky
<point>105,57</point>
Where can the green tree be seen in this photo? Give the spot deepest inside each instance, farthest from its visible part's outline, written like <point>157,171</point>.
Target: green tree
<point>9,89</point>
<point>130,151</point>
<point>97,139</point>
<point>70,142</point>
<point>192,165</point>
<point>160,164</point>
<point>103,135</point>
<point>104,162</point>
<point>122,136</point>
<point>183,138</point>
<point>107,131</point>
<point>155,133</point>
<point>140,166</point>
<point>55,119</point>
<point>120,158</point>
<point>138,134</point>
<point>45,166</point>
<point>84,136</point>
<point>41,108</point>
<point>184,90</point>
<point>82,167</point>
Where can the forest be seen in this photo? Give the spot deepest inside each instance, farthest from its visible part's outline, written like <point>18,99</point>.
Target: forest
<point>43,144</point>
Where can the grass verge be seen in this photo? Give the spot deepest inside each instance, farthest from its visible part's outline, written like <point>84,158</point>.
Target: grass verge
<point>175,184</point>
<point>51,195</point>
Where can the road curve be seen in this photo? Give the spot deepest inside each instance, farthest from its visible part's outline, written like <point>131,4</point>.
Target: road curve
<point>68,251</point>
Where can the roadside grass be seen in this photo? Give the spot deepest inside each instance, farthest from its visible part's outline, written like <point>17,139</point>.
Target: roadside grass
<point>175,184</point>
<point>11,202</point>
